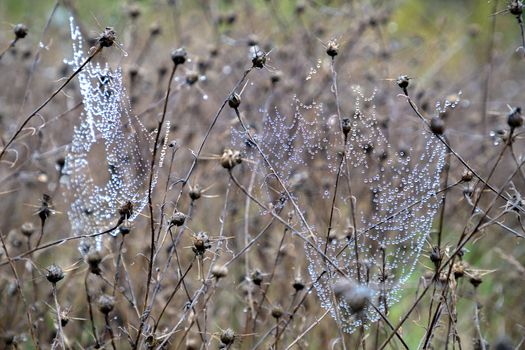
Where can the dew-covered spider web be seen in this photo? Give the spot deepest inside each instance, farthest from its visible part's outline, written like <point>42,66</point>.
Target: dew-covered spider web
<point>392,169</point>
<point>107,162</point>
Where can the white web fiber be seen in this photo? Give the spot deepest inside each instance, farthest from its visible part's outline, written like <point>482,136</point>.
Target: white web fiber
<point>107,162</point>
<point>394,187</point>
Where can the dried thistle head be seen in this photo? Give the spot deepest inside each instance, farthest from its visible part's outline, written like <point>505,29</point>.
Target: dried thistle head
<point>230,158</point>
<point>20,31</point>
<point>54,273</point>
<point>107,38</point>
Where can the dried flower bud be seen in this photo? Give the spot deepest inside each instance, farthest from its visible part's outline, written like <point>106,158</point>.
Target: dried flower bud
<point>27,229</point>
<point>475,279</point>
<point>515,119</point>
<point>227,337</point>
<point>259,59</point>
<point>192,77</point>
<point>106,303</point>
<point>516,7</point>
<point>219,271</point>
<point>277,312</point>
<point>256,277</point>
<point>155,29</point>
<point>298,284</point>
<point>332,48</point>
<point>346,125</point>
<point>356,295</point>
<point>234,101</point>
<point>201,243</point>
<point>54,273</point>
<point>402,81</point>
<point>230,158</point>
<point>467,176</point>
<point>126,211</point>
<point>179,56</point>
<point>93,258</point>
<point>459,269</point>
<point>20,31</point>
<point>177,219</point>
<point>437,126</point>
<point>195,192</point>
<point>107,38</point>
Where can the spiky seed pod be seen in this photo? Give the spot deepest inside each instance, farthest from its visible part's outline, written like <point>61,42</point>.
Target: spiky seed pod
<point>514,118</point>
<point>332,48</point>
<point>437,126</point>
<point>402,81</point>
<point>106,303</point>
<point>178,219</point>
<point>227,337</point>
<point>219,271</point>
<point>234,101</point>
<point>179,56</point>
<point>230,158</point>
<point>54,273</point>
<point>27,229</point>
<point>20,31</point>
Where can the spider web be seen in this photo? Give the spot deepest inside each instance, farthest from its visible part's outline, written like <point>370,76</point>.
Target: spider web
<point>106,165</point>
<point>394,187</point>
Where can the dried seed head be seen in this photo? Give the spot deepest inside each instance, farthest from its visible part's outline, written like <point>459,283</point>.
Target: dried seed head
<point>107,38</point>
<point>230,158</point>
<point>467,176</point>
<point>54,273</point>
<point>93,258</point>
<point>195,192</point>
<point>219,271</point>
<point>134,11</point>
<point>46,208</point>
<point>332,48</point>
<point>155,29</point>
<point>346,124</point>
<point>435,256</point>
<point>106,303</point>
<point>126,211</point>
<point>437,126</point>
<point>27,229</point>
<point>356,295</point>
<point>192,344</point>
<point>192,77</point>
<point>516,7</point>
<point>298,284</point>
<point>125,228</point>
<point>64,317</point>
<point>256,277</point>
<point>402,81</point>
<point>179,56</point>
<point>259,58</point>
<point>177,219</point>
<point>459,269</point>
<point>20,31</point>
<point>234,101</point>
<point>475,279</point>
<point>227,337</point>
<point>275,78</point>
<point>277,312</point>
<point>201,243</point>
<point>514,118</point>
